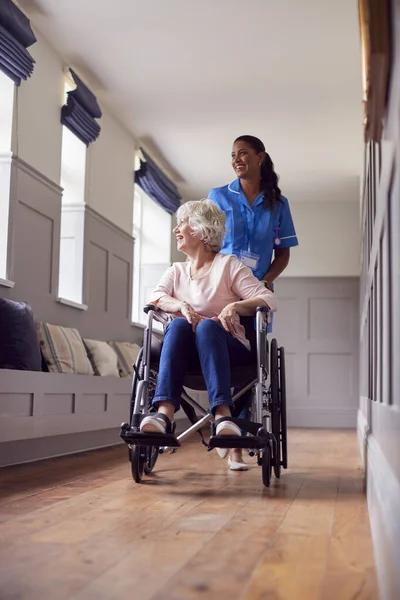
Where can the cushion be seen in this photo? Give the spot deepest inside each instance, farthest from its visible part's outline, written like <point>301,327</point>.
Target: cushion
<point>127,354</point>
<point>19,345</point>
<point>63,349</point>
<point>102,357</point>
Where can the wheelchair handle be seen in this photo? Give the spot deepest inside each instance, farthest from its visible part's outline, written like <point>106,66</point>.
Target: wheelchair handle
<point>263,309</point>
<point>150,307</point>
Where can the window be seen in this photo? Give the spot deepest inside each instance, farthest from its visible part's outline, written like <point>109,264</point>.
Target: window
<point>73,178</point>
<point>152,227</point>
<point>7,91</point>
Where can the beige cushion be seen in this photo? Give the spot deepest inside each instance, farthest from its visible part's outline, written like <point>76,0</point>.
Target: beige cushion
<point>63,349</point>
<point>103,358</point>
<point>127,354</point>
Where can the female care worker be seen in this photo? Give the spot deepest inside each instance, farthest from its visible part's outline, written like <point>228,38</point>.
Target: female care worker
<point>259,225</point>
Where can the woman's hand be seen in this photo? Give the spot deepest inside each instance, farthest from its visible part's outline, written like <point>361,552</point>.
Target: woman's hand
<point>228,318</point>
<point>190,314</point>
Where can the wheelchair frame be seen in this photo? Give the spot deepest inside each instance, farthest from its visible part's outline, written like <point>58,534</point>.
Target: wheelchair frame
<point>268,439</point>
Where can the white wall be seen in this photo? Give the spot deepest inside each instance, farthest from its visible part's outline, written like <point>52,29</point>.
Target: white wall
<point>329,240</point>
<point>110,167</point>
<point>37,138</point>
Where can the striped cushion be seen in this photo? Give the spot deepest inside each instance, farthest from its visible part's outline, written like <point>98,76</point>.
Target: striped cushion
<point>63,349</point>
<point>127,354</point>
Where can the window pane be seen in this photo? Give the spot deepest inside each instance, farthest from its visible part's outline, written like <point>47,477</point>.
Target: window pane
<point>6,112</point>
<point>73,173</point>
<point>73,168</point>
<point>152,229</point>
<point>7,89</point>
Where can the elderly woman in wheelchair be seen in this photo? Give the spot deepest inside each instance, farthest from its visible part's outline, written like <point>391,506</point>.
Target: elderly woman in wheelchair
<point>205,299</point>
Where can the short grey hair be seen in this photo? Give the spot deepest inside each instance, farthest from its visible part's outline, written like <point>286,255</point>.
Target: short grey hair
<point>206,220</point>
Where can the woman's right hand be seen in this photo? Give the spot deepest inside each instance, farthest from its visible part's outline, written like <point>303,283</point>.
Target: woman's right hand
<point>190,314</point>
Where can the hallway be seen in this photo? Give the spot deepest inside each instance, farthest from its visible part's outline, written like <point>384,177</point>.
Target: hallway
<point>78,527</point>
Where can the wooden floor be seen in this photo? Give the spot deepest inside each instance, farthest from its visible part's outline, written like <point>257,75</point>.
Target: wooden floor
<point>78,527</point>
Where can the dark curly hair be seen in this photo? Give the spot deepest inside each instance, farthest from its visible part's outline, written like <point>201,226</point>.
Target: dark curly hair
<point>269,179</point>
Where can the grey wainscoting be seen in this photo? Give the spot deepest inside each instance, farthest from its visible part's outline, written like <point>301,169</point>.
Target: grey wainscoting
<point>317,323</point>
<point>49,414</point>
<point>107,276</point>
<point>34,261</point>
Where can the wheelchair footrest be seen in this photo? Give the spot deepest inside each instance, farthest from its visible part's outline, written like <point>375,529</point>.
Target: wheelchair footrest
<point>237,441</point>
<point>157,440</point>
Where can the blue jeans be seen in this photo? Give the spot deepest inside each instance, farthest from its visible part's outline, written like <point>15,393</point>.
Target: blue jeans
<point>211,348</point>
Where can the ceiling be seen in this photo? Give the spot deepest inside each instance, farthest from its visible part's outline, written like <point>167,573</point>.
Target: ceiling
<point>188,76</point>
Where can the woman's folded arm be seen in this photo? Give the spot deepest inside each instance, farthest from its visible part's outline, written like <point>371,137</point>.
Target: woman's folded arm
<point>247,308</point>
<point>169,304</point>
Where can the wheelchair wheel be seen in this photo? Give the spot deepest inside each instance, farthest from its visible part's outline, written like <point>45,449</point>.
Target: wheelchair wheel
<point>152,451</point>
<point>282,392</point>
<point>138,456</point>
<point>266,465</point>
<point>275,409</point>
<point>152,455</point>
<point>142,458</point>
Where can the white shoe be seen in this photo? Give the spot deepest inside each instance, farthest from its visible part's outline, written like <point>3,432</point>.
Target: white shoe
<point>237,466</point>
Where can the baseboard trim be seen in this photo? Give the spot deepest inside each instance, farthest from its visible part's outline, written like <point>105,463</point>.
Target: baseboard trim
<point>363,432</point>
<point>383,497</point>
<point>30,450</point>
<point>24,451</point>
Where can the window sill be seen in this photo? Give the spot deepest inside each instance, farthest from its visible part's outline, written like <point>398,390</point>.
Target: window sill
<point>6,283</point>
<point>72,304</point>
<point>138,325</point>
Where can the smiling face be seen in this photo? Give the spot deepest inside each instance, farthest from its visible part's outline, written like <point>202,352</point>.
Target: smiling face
<point>246,162</point>
<point>185,239</point>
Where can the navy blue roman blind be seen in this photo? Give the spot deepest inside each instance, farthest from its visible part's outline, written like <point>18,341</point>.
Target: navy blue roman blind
<point>157,185</point>
<point>16,36</point>
<point>81,111</point>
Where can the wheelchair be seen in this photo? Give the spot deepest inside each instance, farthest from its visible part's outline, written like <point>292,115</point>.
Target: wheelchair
<point>266,378</point>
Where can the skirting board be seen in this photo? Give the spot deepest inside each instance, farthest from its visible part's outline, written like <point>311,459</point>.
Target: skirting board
<point>24,451</point>
<point>383,497</point>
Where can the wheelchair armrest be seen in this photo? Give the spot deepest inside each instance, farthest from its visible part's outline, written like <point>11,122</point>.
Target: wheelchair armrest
<point>158,315</point>
<point>149,307</point>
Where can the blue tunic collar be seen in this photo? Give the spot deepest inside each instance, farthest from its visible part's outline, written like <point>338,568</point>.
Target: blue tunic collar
<point>236,188</point>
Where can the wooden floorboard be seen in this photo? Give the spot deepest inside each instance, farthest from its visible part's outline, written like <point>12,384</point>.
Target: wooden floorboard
<point>79,528</point>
